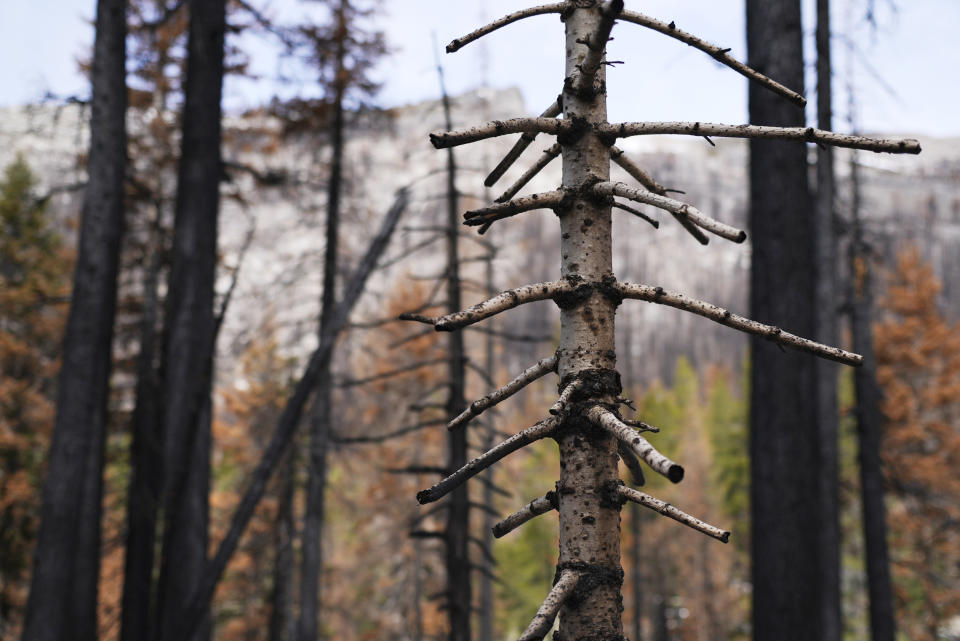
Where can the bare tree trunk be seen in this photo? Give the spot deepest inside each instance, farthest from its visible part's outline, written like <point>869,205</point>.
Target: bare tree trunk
<point>869,429</point>
<point>457,531</point>
<point>190,325</point>
<point>589,525</point>
<point>486,578</point>
<point>825,267</point>
<point>784,446</point>
<point>321,416</point>
<point>636,573</point>
<point>63,590</point>
<point>143,501</point>
<point>282,619</point>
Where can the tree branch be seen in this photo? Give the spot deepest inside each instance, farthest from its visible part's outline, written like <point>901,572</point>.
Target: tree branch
<point>718,314</point>
<point>650,184</point>
<point>547,613</point>
<point>677,515</point>
<point>718,54</point>
<point>529,375</point>
<point>565,396</point>
<point>639,214</point>
<point>545,159</point>
<point>596,48</point>
<point>632,463</point>
<point>534,508</point>
<point>443,140</point>
<point>499,211</point>
<point>556,7</point>
<point>380,438</point>
<point>630,437</point>
<point>500,303</point>
<point>521,145</point>
<point>689,212</point>
<point>390,373</point>
<point>482,462</point>
<point>802,134</point>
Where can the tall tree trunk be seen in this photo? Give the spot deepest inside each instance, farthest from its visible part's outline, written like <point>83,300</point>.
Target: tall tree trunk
<point>589,525</point>
<point>282,621</point>
<point>146,449</point>
<point>486,578</point>
<point>457,533</point>
<point>63,590</point>
<point>190,325</point>
<point>869,429</point>
<point>636,572</point>
<point>784,443</point>
<point>321,415</point>
<point>825,268</point>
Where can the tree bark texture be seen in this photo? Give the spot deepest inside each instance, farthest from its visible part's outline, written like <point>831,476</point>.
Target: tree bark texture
<point>870,422</point>
<point>784,441</point>
<point>589,524</point>
<point>282,621</point>
<point>63,593</point>
<point>321,414</point>
<point>826,265</point>
<point>190,326</point>
<point>486,578</point>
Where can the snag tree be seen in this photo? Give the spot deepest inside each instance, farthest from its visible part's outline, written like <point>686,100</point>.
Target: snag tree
<point>585,421</point>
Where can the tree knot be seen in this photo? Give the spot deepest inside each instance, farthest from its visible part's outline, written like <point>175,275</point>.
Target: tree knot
<point>592,576</point>
<point>610,496</point>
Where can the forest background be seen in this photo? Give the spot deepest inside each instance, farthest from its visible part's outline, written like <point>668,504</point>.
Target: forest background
<point>690,379</point>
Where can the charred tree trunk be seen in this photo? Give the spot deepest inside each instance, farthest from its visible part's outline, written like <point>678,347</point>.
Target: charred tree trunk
<point>486,579</point>
<point>321,414</point>
<point>146,449</point>
<point>282,621</point>
<point>189,328</point>
<point>63,590</point>
<point>825,268</point>
<point>870,422</point>
<point>784,444</point>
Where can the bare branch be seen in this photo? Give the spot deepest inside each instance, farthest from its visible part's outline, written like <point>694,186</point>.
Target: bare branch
<point>802,134</point>
<point>689,212</point>
<point>718,314</point>
<point>442,140</point>
<point>390,373</point>
<point>499,211</point>
<point>482,462</point>
<point>643,449</point>
<point>650,184</point>
<point>639,214</point>
<point>596,47</point>
<point>529,375</point>
<point>510,336</point>
<point>565,396</point>
<point>678,515</point>
<point>718,54</point>
<point>547,613</point>
<point>515,152</point>
<point>409,252</point>
<point>502,302</point>
<point>632,462</point>
<point>534,508</point>
<point>545,159</point>
<point>380,438</point>
<point>556,7</point>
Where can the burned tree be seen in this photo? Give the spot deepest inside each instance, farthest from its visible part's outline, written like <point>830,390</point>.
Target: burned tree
<point>585,421</point>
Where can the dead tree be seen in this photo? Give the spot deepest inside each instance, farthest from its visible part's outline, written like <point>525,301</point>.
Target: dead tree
<point>585,421</point>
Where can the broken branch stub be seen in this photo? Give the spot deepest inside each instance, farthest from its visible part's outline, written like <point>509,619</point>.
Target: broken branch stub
<point>641,447</point>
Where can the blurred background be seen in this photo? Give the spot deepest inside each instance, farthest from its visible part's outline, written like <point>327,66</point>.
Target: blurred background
<point>383,565</point>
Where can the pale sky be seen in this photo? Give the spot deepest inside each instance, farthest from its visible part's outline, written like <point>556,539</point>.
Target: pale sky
<point>907,72</point>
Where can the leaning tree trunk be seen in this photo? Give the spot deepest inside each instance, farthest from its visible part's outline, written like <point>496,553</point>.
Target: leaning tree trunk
<point>63,589</point>
<point>585,420</point>
<point>190,326</point>
<point>826,264</point>
<point>784,439</point>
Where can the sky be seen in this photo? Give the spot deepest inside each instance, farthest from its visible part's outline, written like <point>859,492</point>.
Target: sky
<point>905,71</point>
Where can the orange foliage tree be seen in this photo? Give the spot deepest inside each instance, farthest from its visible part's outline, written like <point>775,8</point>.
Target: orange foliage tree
<point>918,357</point>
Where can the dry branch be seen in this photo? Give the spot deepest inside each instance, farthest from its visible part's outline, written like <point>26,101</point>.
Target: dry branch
<point>565,395</point>
<point>521,145</point>
<point>556,7</point>
<point>482,462</point>
<point>650,184</point>
<point>689,212</point>
<point>534,508</point>
<point>678,515</point>
<point>641,446</point>
<point>639,214</point>
<point>720,55</point>
<point>632,463</point>
<point>724,317</point>
<point>442,140</point>
<point>596,48</point>
<point>356,382</point>
<point>502,302</point>
<point>529,375</point>
<point>802,134</point>
<point>499,211</point>
<point>545,159</point>
<point>380,438</point>
<point>548,610</point>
